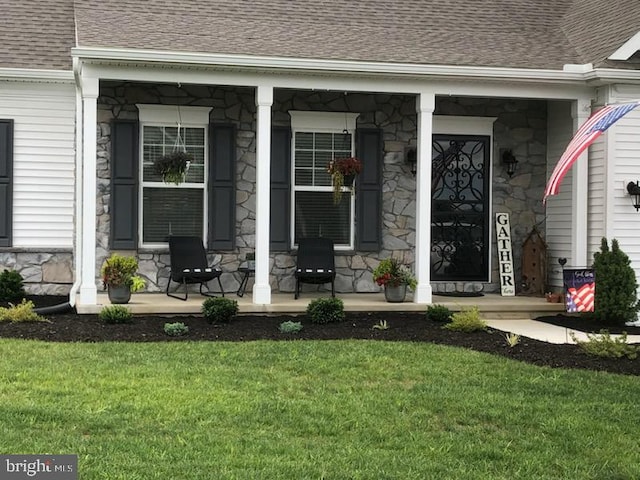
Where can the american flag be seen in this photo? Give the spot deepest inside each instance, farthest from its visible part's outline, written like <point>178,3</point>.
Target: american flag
<point>586,134</point>
<point>581,299</point>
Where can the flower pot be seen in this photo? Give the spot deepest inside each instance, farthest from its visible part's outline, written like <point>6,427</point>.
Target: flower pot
<point>348,180</point>
<point>395,294</point>
<point>120,294</point>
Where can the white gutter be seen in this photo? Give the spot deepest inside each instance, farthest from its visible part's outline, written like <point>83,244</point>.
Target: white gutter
<point>317,65</point>
<point>36,75</point>
<point>77,250</point>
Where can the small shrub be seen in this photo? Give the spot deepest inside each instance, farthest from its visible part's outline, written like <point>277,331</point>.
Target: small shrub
<point>290,327</point>
<point>219,309</point>
<point>11,287</point>
<point>438,313</point>
<point>175,329</point>
<point>616,300</point>
<point>602,345</point>
<point>468,320</point>
<point>381,325</point>
<point>512,339</point>
<point>23,312</point>
<point>326,310</point>
<point>115,314</point>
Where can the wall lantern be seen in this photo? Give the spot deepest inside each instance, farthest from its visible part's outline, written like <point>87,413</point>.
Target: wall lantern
<point>412,160</point>
<point>633,188</point>
<point>509,162</point>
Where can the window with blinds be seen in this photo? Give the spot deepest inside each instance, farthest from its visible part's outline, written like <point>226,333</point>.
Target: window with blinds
<point>314,211</point>
<point>168,208</point>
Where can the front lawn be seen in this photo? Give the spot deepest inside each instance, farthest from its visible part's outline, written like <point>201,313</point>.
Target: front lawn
<point>313,409</point>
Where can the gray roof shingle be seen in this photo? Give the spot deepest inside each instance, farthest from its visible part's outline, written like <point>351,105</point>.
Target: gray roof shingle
<point>495,33</point>
<point>36,34</point>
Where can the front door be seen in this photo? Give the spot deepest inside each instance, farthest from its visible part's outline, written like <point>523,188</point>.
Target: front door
<point>460,208</point>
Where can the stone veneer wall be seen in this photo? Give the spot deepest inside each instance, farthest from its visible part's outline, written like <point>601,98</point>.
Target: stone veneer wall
<point>44,273</point>
<point>520,126</point>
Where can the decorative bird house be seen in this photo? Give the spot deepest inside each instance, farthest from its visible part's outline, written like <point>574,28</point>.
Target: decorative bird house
<point>534,264</point>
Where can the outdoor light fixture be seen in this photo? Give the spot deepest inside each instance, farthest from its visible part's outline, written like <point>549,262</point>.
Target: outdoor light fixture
<point>509,162</point>
<point>633,188</point>
<point>412,160</point>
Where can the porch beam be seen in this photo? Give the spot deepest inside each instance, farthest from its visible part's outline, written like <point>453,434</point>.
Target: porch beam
<point>88,289</point>
<point>264,101</point>
<point>425,105</point>
<point>580,111</point>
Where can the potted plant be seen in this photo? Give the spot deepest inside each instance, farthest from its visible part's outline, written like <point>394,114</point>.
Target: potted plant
<point>119,278</point>
<point>343,172</point>
<point>173,166</point>
<point>395,278</point>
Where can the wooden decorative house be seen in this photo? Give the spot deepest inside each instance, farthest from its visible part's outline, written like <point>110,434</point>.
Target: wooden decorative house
<point>534,264</point>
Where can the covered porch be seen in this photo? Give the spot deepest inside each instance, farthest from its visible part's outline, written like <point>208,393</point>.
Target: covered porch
<point>492,306</point>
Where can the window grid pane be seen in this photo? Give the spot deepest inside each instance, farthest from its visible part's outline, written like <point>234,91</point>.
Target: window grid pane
<point>158,141</point>
<point>314,211</point>
<point>168,208</point>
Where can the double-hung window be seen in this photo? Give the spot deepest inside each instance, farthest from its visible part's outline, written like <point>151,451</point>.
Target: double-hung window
<point>318,138</point>
<point>167,208</point>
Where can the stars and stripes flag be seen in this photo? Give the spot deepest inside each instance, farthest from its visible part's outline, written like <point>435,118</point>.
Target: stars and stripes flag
<point>581,299</point>
<point>586,134</point>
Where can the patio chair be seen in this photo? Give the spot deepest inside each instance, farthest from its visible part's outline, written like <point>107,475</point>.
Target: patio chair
<point>189,266</point>
<point>315,263</point>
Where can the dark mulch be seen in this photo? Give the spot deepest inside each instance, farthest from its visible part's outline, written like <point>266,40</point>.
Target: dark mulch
<point>412,327</point>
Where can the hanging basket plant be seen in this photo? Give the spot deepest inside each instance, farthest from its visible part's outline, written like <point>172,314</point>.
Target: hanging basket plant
<point>173,166</point>
<point>343,172</point>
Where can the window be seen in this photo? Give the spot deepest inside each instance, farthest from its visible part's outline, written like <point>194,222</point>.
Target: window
<point>167,208</point>
<point>318,137</point>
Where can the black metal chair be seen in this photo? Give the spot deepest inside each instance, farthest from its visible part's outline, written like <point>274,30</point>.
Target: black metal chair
<point>315,263</point>
<point>189,266</point>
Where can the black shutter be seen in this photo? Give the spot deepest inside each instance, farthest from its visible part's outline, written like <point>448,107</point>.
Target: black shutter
<point>124,184</point>
<point>222,186</point>
<point>6,182</point>
<point>280,215</point>
<point>369,190</point>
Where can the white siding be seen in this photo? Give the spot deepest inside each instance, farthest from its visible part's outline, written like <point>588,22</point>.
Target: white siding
<point>623,142</point>
<point>558,225</point>
<point>43,162</point>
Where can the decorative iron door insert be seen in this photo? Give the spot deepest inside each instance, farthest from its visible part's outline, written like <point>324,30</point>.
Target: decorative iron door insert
<point>460,208</point>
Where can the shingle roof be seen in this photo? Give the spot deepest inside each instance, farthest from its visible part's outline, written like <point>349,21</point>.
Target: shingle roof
<point>518,33</point>
<point>36,34</point>
<point>496,33</point>
<point>597,29</point>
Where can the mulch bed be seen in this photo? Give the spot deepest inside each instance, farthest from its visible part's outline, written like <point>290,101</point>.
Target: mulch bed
<point>406,327</point>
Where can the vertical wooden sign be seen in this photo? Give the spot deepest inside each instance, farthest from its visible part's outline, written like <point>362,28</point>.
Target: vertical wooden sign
<point>505,255</point>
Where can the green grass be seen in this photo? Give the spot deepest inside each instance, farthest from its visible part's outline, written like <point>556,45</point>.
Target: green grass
<point>311,410</point>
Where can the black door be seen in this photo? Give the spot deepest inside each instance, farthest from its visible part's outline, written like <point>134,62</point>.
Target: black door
<point>460,208</point>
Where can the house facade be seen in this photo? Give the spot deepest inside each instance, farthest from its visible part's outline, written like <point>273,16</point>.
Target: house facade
<point>263,109</point>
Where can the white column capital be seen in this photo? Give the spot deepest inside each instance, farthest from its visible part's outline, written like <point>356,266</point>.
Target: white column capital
<point>426,102</point>
<point>90,87</point>
<point>264,95</point>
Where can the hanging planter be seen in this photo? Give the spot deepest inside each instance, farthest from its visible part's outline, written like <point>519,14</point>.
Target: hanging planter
<point>343,172</point>
<point>173,166</point>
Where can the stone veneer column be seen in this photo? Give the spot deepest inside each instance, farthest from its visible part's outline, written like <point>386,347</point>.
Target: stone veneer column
<point>264,101</point>
<point>88,289</point>
<point>425,105</point>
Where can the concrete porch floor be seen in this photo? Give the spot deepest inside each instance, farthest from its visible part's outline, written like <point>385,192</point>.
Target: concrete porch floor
<point>490,305</point>
<point>508,314</point>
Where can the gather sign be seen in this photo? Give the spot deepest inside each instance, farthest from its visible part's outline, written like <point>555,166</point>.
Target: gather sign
<point>505,255</point>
